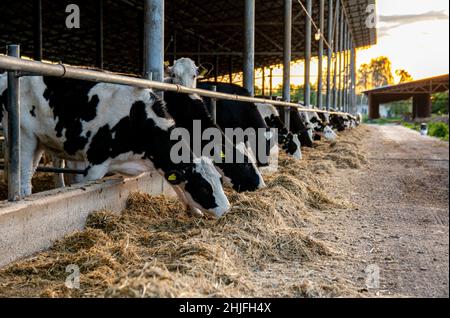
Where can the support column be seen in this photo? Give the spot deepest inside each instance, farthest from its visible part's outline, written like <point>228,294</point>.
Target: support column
<point>271,82</point>
<point>353,78</point>
<point>329,53</point>
<point>230,69</point>
<point>37,30</point>
<point>287,59</point>
<point>336,54</point>
<point>99,37</point>
<point>263,82</point>
<point>345,79</point>
<point>374,107</point>
<point>154,39</point>
<point>341,55</point>
<point>422,106</point>
<point>320,79</point>
<point>249,46</point>
<point>308,32</point>
<point>13,149</point>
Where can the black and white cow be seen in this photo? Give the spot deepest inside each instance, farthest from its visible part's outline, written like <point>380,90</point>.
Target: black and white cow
<point>230,114</point>
<point>108,128</point>
<point>302,127</point>
<point>185,109</point>
<point>288,141</point>
<point>236,114</point>
<point>322,127</point>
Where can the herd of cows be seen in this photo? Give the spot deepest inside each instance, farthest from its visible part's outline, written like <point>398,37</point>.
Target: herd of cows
<point>104,128</point>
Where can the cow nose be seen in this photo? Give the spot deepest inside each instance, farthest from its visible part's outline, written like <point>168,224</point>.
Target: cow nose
<point>221,211</point>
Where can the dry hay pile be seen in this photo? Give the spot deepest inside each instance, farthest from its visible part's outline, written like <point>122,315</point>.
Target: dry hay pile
<point>154,249</point>
<point>41,182</point>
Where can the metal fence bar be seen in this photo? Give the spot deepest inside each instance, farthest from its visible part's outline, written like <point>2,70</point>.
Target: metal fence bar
<point>13,149</point>
<point>64,71</point>
<point>53,170</point>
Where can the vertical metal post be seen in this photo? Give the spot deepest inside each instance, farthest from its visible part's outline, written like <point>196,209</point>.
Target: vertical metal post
<point>216,72</point>
<point>287,60</point>
<point>330,52</point>
<point>249,46</point>
<point>341,45</point>
<point>13,150</point>
<point>263,81</point>
<point>37,30</point>
<point>307,98</point>
<point>154,39</point>
<point>99,35</point>
<point>271,82</point>
<point>336,54</point>
<point>347,73</point>
<point>213,109</point>
<point>199,49</point>
<point>344,75</point>
<point>230,68</point>
<point>320,80</point>
<point>175,37</point>
<point>353,77</point>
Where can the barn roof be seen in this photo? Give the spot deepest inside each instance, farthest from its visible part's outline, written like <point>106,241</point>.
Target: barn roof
<point>214,28</point>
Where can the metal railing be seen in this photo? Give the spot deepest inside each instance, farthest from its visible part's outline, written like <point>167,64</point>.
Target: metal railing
<point>18,67</point>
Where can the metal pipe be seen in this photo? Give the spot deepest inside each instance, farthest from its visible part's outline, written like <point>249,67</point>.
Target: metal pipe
<point>13,150</point>
<point>336,55</point>
<point>99,36</point>
<point>344,75</point>
<point>216,72</point>
<point>308,31</point>
<point>271,82</point>
<point>341,45</point>
<point>287,59</point>
<point>37,30</point>
<point>353,79</point>
<point>230,69</point>
<point>263,82</point>
<point>321,42</point>
<point>54,170</point>
<point>64,71</point>
<point>154,39</point>
<point>330,52</point>
<point>249,46</point>
<point>213,109</point>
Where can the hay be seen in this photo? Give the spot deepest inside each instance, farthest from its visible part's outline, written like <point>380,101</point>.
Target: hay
<point>154,249</point>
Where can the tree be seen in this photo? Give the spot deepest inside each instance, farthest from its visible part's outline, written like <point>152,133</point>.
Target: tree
<point>381,69</point>
<point>405,77</point>
<point>364,77</point>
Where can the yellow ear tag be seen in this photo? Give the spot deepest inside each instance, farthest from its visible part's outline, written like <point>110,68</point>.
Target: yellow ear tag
<point>172,177</point>
<point>222,155</point>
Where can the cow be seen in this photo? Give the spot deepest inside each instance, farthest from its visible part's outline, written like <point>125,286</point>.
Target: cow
<point>300,125</point>
<point>322,127</point>
<point>230,114</point>
<point>109,128</point>
<point>185,109</point>
<point>288,141</point>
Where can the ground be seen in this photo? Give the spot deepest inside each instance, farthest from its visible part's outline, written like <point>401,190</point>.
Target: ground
<point>365,217</point>
<point>401,223</point>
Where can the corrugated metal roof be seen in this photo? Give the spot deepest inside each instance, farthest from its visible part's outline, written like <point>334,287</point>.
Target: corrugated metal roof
<point>213,27</point>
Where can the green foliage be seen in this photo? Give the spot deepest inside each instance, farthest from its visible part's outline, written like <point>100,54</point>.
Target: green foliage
<point>439,130</point>
<point>440,103</point>
<point>386,121</point>
<point>376,74</point>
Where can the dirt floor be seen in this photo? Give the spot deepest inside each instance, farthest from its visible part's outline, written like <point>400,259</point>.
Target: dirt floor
<point>364,217</point>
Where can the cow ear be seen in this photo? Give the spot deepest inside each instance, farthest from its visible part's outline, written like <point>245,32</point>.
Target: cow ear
<point>175,177</point>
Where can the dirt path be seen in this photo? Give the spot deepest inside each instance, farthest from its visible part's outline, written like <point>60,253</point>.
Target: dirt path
<point>401,224</point>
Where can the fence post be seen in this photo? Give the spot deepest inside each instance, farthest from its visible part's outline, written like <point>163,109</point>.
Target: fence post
<point>13,149</point>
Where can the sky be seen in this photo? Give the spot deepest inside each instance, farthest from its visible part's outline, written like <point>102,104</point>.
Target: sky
<point>414,34</point>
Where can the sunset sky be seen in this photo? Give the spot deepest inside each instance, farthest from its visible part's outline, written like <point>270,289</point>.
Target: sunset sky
<point>414,34</point>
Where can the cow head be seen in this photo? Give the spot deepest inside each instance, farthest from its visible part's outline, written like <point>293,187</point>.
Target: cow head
<point>184,72</point>
<point>291,145</point>
<point>329,134</point>
<point>202,186</point>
